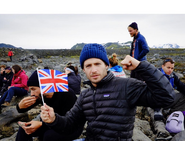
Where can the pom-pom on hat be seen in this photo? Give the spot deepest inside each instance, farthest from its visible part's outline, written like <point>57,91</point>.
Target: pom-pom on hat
<point>93,51</point>
<point>133,25</point>
<point>33,80</point>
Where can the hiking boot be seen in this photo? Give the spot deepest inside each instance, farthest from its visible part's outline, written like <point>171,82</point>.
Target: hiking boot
<point>5,104</point>
<point>163,137</point>
<point>158,115</point>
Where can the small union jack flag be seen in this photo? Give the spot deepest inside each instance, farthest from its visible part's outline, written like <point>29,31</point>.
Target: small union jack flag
<point>52,81</point>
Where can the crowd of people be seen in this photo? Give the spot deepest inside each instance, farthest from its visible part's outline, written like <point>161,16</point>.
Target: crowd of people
<point>16,83</point>
<point>108,105</point>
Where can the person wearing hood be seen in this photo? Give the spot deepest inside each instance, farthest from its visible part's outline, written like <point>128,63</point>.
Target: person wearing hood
<point>18,86</point>
<point>74,79</point>
<point>114,67</point>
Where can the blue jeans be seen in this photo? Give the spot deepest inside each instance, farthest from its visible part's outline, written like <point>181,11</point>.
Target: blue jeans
<point>13,91</point>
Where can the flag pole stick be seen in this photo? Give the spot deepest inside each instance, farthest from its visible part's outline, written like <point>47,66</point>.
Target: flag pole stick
<point>42,99</point>
<point>40,89</point>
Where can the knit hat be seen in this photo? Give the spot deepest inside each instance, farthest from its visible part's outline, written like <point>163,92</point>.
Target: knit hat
<point>33,80</point>
<point>93,51</point>
<point>133,25</point>
<point>8,68</point>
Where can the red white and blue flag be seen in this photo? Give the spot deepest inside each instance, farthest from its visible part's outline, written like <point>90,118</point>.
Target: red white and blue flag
<point>52,81</point>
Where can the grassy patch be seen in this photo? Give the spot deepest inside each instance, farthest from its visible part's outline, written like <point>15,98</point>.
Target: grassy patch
<point>77,56</point>
<point>179,64</point>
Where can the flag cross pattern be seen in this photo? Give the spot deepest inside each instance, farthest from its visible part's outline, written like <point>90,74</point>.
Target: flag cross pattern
<point>52,81</point>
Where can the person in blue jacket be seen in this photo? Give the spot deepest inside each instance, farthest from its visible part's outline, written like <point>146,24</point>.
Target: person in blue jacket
<point>139,46</point>
<point>178,104</point>
<point>114,67</point>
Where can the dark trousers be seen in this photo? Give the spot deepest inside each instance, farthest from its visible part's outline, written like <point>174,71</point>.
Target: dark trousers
<point>13,91</point>
<point>179,103</point>
<point>46,134</point>
<point>10,58</point>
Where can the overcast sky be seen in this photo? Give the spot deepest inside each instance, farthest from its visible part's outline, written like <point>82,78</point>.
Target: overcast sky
<point>62,31</point>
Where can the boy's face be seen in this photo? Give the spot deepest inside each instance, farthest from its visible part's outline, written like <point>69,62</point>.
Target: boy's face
<point>95,70</point>
<point>168,68</point>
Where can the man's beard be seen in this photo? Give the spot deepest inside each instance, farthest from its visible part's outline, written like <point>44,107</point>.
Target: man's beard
<point>39,97</point>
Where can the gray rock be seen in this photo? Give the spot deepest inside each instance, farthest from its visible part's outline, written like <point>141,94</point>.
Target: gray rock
<point>138,135</point>
<point>9,115</point>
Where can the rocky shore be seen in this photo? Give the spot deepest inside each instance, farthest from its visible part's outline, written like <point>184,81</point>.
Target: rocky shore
<point>29,60</point>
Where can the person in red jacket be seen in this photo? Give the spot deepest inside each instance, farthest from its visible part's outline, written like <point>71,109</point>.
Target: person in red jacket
<point>10,54</point>
<point>18,86</point>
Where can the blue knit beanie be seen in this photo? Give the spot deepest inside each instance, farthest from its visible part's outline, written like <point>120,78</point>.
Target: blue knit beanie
<point>93,51</point>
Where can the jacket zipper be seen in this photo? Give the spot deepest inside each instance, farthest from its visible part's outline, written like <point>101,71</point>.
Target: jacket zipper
<point>94,102</point>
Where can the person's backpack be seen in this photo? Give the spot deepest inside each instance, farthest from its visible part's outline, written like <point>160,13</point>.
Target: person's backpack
<point>175,122</point>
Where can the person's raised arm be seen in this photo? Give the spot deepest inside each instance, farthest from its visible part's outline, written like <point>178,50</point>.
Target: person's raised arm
<point>130,63</point>
<point>155,89</point>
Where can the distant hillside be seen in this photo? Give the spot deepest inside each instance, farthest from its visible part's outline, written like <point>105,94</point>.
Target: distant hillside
<point>109,45</point>
<point>167,46</point>
<point>117,45</point>
<point>8,46</point>
<point>78,46</point>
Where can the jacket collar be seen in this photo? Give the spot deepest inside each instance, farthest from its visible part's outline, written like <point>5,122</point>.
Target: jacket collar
<point>18,73</point>
<point>138,34</point>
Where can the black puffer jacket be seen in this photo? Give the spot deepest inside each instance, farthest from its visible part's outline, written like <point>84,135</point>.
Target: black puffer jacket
<point>110,108</point>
